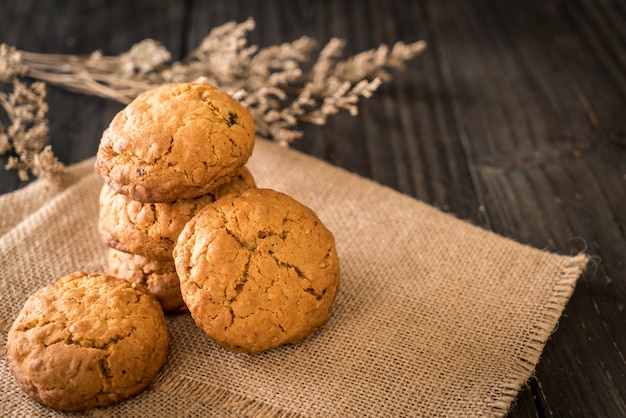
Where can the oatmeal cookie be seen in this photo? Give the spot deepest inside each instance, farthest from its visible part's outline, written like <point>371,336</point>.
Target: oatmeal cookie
<point>257,270</point>
<point>87,340</point>
<point>159,276</point>
<point>176,141</point>
<point>151,229</point>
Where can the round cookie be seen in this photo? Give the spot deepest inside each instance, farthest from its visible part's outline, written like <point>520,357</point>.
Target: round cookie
<point>87,340</point>
<point>151,229</point>
<point>159,276</point>
<point>257,270</point>
<point>176,141</point>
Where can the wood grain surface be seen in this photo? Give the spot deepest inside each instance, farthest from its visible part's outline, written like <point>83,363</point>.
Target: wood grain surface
<point>514,119</point>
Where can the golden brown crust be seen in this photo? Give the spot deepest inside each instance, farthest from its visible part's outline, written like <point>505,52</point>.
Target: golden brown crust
<point>176,141</point>
<point>87,340</point>
<point>159,276</point>
<point>151,229</point>
<point>257,270</point>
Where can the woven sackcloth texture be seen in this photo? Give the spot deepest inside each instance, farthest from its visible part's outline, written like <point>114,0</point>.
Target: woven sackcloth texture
<point>434,317</point>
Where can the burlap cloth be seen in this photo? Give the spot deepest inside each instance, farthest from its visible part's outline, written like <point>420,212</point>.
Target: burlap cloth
<point>435,317</point>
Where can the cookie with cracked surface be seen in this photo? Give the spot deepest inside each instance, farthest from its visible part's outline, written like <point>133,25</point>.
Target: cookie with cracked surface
<point>151,229</point>
<point>159,276</point>
<point>176,141</point>
<point>257,270</point>
<point>87,340</point>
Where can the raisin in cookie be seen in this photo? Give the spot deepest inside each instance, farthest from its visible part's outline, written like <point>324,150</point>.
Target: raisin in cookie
<point>87,340</point>
<point>176,141</point>
<point>151,229</point>
<point>257,270</point>
<point>159,276</point>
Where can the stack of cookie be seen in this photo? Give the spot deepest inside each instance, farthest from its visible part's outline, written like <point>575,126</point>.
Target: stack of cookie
<point>254,267</point>
<point>169,153</point>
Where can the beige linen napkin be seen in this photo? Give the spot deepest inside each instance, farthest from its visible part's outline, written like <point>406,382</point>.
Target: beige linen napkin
<point>435,317</point>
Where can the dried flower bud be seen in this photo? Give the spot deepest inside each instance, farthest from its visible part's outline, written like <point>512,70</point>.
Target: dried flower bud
<point>10,63</point>
<point>144,57</point>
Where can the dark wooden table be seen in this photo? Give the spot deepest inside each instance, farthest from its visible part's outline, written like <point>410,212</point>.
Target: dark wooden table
<point>514,119</point>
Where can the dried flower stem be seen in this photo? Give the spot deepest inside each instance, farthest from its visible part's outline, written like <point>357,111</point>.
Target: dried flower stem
<point>273,82</point>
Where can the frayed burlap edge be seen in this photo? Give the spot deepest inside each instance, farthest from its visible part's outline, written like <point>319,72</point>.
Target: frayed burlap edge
<point>508,388</point>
